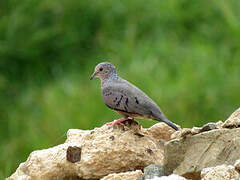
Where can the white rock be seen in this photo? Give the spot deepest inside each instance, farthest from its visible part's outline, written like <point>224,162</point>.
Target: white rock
<point>222,172</point>
<point>170,177</point>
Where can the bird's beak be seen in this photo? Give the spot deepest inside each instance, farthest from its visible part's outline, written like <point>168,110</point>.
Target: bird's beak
<point>92,76</point>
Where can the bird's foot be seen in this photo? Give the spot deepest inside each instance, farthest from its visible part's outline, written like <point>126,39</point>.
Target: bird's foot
<point>119,121</point>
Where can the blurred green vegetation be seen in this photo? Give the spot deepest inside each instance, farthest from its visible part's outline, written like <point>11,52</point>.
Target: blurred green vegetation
<point>184,54</point>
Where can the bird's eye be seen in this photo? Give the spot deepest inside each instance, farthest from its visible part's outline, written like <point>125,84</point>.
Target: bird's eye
<point>100,69</point>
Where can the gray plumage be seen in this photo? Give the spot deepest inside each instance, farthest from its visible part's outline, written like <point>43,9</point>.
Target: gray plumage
<point>125,98</point>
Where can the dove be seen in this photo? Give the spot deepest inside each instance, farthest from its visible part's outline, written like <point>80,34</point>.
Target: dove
<point>125,98</point>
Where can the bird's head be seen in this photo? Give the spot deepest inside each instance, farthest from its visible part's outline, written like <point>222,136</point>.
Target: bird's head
<point>104,71</point>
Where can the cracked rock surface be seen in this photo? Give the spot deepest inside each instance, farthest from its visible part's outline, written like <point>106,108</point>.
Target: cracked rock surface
<point>93,154</point>
<point>121,152</point>
<point>192,150</point>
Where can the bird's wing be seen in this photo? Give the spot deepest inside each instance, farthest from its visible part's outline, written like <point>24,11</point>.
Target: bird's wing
<point>123,96</point>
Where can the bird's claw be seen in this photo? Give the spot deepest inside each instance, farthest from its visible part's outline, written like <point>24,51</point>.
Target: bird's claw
<point>118,121</point>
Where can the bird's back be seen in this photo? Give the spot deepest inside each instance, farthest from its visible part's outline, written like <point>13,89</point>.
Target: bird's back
<point>119,94</point>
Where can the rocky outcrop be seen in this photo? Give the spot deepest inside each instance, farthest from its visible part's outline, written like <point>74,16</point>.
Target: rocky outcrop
<point>188,156</point>
<point>131,152</point>
<point>195,149</point>
<point>93,154</point>
<point>233,121</point>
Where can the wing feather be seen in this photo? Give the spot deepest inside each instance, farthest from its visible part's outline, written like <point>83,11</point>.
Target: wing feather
<point>126,97</point>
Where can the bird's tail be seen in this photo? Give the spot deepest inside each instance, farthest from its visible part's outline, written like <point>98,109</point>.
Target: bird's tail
<point>164,119</point>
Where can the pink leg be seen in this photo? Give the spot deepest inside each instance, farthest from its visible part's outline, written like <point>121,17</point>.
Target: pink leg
<point>119,121</point>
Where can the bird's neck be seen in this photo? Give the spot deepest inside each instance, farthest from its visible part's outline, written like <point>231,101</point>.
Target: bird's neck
<point>109,79</point>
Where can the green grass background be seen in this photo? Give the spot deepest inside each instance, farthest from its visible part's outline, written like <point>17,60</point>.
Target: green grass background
<point>184,54</point>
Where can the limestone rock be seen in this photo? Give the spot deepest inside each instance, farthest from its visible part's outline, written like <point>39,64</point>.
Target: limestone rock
<point>233,120</point>
<point>237,165</point>
<point>195,130</point>
<point>152,171</point>
<point>133,175</point>
<point>189,155</point>
<point>161,131</point>
<point>219,124</point>
<point>208,127</point>
<point>222,172</point>
<point>176,135</point>
<point>185,132</point>
<point>19,174</point>
<point>182,133</point>
<point>170,177</point>
<point>93,154</point>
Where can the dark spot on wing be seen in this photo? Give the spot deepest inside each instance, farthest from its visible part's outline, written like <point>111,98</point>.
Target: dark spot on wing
<point>108,94</point>
<point>136,100</point>
<point>126,102</point>
<point>121,110</point>
<point>125,107</point>
<point>118,103</point>
<point>151,113</point>
<point>115,99</point>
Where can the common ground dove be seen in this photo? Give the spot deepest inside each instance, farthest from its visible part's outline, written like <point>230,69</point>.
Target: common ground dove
<point>125,98</point>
